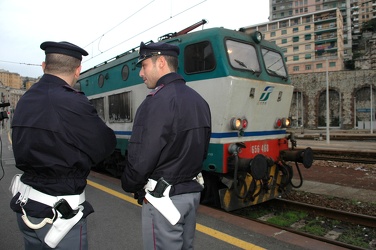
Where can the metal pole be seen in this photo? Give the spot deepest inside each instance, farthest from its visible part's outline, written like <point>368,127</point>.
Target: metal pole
<point>371,111</point>
<point>355,125</point>
<point>297,110</point>
<point>302,111</point>
<point>327,103</point>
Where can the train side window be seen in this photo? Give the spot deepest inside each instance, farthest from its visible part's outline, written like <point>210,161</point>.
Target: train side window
<point>199,58</point>
<point>274,63</point>
<point>100,80</point>
<point>98,104</point>
<point>125,72</point>
<point>242,56</point>
<point>119,107</point>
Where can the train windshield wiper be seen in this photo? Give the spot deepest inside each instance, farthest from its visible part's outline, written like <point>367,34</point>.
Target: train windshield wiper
<point>275,73</point>
<point>243,65</point>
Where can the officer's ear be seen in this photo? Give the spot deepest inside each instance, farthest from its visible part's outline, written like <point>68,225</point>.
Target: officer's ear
<point>43,66</point>
<point>77,72</point>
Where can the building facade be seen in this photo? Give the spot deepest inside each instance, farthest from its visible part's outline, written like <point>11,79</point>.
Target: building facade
<point>9,79</point>
<point>311,42</point>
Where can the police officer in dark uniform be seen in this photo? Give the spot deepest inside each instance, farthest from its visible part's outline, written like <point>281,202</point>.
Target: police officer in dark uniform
<point>170,139</point>
<point>57,137</point>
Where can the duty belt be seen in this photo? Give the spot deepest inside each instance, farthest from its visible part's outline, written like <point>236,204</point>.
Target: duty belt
<point>28,192</point>
<point>60,226</point>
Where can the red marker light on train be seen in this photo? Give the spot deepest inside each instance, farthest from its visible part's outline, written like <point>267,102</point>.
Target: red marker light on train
<point>244,123</point>
<point>278,123</point>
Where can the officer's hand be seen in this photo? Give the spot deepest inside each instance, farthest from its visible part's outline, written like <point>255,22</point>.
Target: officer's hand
<point>139,196</point>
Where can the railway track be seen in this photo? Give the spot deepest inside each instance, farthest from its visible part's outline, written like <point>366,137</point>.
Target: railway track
<point>335,225</point>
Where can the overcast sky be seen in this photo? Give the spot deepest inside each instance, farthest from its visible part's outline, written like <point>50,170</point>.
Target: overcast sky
<point>107,28</point>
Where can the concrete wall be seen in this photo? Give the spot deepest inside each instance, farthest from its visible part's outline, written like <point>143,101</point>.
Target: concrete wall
<point>348,84</point>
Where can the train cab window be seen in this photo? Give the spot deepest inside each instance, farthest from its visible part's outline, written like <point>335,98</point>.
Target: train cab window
<point>119,107</point>
<point>98,104</point>
<point>242,56</point>
<point>274,63</point>
<point>199,58</point>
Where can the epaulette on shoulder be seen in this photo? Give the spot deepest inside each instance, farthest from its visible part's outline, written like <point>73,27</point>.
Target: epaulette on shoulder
<point>154,91</point>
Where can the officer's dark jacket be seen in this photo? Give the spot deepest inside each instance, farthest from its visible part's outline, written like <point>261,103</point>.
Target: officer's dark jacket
<point>170,137</point>
<point>57,137</point>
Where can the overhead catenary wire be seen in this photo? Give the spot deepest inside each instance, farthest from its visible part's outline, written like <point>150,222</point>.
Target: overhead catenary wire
<point>114,27</point>
<point>131,37</point>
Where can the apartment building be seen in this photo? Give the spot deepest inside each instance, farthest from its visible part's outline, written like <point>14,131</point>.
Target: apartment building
<point>354,13</point>
<point>11,80</point>
<point>311,42</point>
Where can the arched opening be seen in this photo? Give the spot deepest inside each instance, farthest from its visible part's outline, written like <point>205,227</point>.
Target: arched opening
<point>334,109</point>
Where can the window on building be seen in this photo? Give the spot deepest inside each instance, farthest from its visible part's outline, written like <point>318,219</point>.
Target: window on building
<point>296,58</point>
<point>319,66</point>
<point>308,67</point>
<point>296,29</point>
<point>318,7</point>
<point>295,68</point>
<point>272,34</point>
<point>307,27</point>
<point>308,46</point>
<point>296,48</point>
<point>307,37</point>
<point>332,64</point>
<point>295,39</point>
<point>283,32</point>
<point>284,40</point>
<point>307,56</point>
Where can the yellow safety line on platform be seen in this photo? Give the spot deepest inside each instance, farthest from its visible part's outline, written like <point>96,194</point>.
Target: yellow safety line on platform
<point>201,228</point>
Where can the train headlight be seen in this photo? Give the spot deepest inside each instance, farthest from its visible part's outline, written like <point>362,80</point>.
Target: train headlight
<point>257,36</point>
<point>278,123</point>
<point>236,123</point>
<point>286,123</point>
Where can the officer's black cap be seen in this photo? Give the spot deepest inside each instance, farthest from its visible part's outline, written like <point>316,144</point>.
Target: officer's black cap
<point>159,48</point>
<point>64,48</point>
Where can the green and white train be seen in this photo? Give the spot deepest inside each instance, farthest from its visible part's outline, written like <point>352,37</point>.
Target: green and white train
<point>245,82</point>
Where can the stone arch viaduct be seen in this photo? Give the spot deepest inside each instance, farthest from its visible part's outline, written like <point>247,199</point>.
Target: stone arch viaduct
<point>349,99</point>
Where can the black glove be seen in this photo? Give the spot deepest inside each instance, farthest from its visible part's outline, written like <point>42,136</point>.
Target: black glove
<point>139,196</point>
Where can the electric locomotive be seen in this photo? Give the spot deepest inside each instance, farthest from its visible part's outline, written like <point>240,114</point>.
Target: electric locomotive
<point>245,82</point>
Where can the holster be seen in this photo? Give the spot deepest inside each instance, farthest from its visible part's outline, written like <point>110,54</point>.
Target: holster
<point>61,227</point>
<point>165,206</point>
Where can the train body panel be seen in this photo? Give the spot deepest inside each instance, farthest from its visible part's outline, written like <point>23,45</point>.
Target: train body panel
<point>245,82</point>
